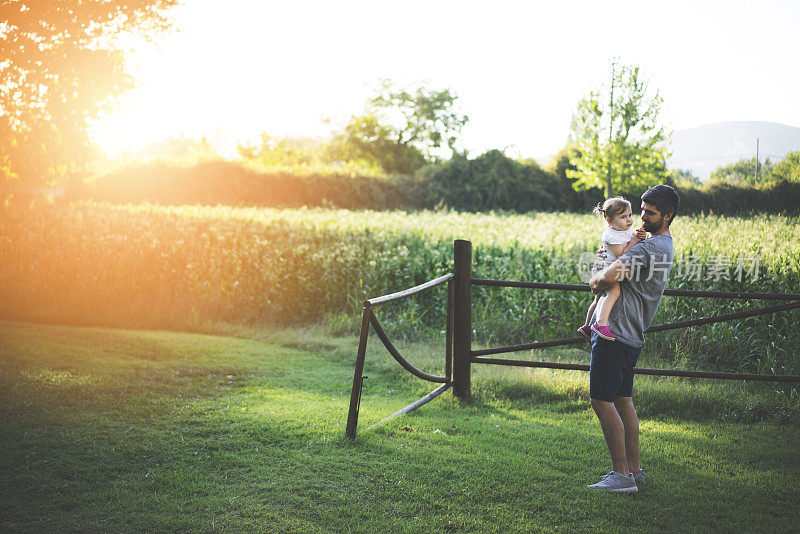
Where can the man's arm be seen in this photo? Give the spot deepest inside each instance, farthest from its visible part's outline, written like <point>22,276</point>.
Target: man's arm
<point>604,279</point>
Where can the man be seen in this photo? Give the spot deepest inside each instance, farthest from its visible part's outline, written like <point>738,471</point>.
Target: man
<point>643,273</point>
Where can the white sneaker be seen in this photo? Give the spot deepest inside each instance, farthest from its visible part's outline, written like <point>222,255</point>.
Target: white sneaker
<point>616,483</point>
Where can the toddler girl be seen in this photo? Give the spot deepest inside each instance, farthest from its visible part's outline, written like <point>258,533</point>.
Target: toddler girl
<point>618,238</point>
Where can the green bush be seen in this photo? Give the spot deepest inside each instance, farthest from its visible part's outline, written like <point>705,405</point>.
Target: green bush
<point>491,181</point>
<point>724,198</point>
<point>221,182</point>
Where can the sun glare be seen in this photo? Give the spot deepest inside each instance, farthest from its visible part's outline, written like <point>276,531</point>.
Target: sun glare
<point>190,85</point>
<point>175,96</point>
<point>230,71</point>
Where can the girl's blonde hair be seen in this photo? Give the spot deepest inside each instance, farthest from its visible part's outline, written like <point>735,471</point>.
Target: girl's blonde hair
<point>612,207</point>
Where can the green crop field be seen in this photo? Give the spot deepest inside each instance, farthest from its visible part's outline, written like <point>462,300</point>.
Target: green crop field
<point>192,268</point>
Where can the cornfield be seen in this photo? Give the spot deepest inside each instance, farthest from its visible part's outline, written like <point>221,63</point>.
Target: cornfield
<point>189,267</point>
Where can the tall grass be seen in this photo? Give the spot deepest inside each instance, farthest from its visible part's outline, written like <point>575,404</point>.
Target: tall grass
<point>191,267</point>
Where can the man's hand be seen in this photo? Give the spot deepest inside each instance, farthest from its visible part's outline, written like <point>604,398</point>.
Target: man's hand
<point>607,277</point>
<point>597,284</point>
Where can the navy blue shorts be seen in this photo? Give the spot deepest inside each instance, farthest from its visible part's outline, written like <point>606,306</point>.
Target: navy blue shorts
<point>611,369</point>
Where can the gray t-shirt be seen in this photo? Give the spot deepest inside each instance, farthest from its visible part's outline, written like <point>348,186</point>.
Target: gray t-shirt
<point>649,262</point>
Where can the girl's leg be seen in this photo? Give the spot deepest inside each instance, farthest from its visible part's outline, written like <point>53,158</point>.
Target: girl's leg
<point>605,305</point>
<point>591,310</point>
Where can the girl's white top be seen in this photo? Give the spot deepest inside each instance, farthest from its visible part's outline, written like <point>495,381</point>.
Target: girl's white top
<point>615,237</point>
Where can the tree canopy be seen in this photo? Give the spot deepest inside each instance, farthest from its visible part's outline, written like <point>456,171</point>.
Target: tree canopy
<point>620,139</point>
<point>788,169</point>
<point>60,66</point>
<point>403,129</point>
<point>743,172</point>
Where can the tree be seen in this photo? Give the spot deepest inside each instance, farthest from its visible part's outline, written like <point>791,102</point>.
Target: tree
<point>619,136</point>
<point>403,130</point>
<point>561,162</point>
<point>743,172</point>
<point>788,169</point>
<point>685,178</point>
<point>60,66</point>
<point>490,181</point>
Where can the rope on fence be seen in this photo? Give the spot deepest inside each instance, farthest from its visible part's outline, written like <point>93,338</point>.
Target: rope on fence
<point>399,357</point>
<point>377,301</point>
<point>459,354</point>
<point>414,405</point>
<point>643,370</point>
<point>655,328</point>
<point>368,319</point>
<point>669,292</point>
<point>477,356</point>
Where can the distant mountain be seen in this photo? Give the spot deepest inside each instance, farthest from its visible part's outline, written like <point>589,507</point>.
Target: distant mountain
<point>701,150</point>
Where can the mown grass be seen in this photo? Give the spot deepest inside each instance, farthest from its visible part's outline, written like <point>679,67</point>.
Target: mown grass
<point>143,431</point>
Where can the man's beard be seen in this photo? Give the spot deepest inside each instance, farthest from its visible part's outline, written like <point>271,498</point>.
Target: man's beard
<point>653,227</point>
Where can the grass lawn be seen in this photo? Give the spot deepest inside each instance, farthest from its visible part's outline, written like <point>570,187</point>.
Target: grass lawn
<point>142,431</point>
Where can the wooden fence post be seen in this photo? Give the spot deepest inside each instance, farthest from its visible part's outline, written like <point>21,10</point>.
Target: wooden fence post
<point>462,320</point>
<point>358,379</point>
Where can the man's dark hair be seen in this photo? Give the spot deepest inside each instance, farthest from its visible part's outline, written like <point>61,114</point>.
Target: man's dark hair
<point>664,198</point>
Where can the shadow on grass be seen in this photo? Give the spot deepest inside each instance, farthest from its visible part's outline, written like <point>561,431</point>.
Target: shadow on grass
<point>564,391</point>
<point>144,431</point>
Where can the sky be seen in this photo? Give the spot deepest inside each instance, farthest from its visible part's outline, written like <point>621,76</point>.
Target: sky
<point>231,70</point>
